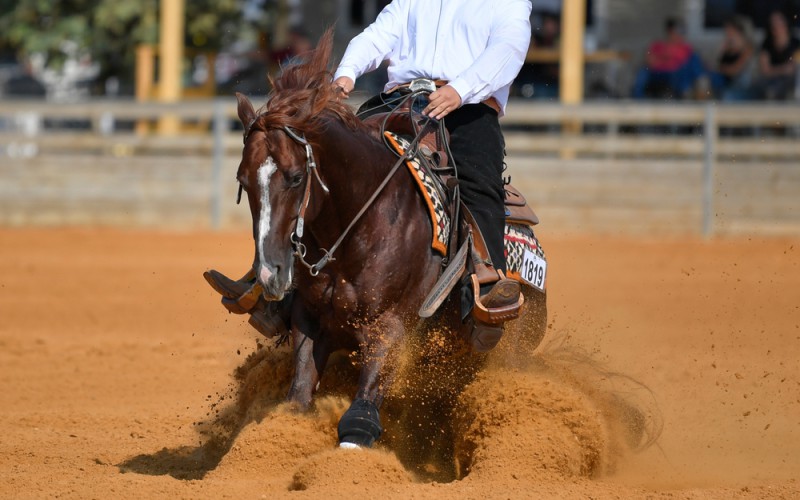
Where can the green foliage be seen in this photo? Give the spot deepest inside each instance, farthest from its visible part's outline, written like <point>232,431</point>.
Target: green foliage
<point>110,30</point>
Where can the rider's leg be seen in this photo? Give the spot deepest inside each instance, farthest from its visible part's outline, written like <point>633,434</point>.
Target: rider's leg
<point>477,145</point>
<point>478,149</point>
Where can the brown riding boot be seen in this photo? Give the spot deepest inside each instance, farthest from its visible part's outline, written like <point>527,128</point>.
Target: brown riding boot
<point>503,294</point>
<point>243,296</point>
<point>271,319</point>
<point>499,304</point>
<point>227,287</point>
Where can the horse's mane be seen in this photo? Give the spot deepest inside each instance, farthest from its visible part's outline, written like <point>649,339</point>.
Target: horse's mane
<point>303,97</point>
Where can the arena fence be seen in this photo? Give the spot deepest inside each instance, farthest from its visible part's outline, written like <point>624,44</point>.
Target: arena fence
<point>622,167</point>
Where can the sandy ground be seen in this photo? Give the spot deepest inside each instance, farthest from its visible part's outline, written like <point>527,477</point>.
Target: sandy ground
<point>117,363</point>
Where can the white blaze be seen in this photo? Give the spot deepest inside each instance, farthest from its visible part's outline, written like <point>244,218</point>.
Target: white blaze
<point>265,172</point>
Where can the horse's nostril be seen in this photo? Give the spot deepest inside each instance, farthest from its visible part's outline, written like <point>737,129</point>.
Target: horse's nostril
<point>264,274</point>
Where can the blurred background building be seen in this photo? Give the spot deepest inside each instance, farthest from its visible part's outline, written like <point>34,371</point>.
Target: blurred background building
<point>661,122</point>
<point>231,45</point>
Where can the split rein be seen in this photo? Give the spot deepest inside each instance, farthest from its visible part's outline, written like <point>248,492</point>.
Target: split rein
<point>300,250</point>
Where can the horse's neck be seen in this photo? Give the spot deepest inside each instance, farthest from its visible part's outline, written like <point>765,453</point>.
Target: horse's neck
<point>353,165</point>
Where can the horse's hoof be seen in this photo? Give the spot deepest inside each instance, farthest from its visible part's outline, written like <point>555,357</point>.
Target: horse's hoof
<point>360,425</point>
<point>349,446</point>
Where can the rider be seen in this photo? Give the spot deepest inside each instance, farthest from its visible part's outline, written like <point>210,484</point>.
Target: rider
<point>474,50</point>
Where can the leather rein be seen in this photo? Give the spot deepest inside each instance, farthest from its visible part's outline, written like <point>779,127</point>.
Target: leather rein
<point>312,169</point>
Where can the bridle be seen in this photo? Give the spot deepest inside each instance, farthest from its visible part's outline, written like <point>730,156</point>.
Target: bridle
<point>299,249</point>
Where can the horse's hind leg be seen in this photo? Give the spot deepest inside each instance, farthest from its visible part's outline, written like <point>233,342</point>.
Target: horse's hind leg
<point>361,424</point>
<point>311,354</point>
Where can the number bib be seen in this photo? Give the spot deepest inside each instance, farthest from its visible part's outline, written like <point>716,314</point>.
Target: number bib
<point>534,270</point>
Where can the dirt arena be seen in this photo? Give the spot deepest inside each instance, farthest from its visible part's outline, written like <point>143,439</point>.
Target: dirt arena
<point>117,366</point>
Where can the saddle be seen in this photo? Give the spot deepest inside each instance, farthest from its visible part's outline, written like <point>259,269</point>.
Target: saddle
<point>464,248</point>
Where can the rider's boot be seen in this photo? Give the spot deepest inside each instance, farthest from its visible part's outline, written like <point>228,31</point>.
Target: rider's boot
<point>272,319</point>
<point>494,303</point>
<point>490,298</point>
<point>243,296</point>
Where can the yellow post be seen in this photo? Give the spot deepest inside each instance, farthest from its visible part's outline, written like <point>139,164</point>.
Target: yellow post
<point>573,25</point>
<point>171,41</point>
<point>145,73</point>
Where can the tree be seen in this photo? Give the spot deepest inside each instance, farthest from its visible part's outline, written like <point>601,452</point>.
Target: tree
<point>109,30</point>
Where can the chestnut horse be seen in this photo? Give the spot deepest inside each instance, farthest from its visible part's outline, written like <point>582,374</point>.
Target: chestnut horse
<point>309,165</point>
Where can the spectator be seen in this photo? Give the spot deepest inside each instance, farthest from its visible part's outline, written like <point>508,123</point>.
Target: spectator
<point>546,76</point>
<point>777,59</point>
<point>298,44</point>
<point>25,84</point>
<point>733,79</point>
<point>540,80</point>
<point>672,66</point>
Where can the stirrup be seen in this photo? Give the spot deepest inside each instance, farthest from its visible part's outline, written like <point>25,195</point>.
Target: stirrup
<point>501,304</point>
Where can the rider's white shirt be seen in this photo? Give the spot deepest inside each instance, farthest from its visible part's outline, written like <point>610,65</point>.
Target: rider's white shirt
<point>477,45</point>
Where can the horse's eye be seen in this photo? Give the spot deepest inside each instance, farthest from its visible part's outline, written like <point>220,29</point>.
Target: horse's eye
<point>295,180</point>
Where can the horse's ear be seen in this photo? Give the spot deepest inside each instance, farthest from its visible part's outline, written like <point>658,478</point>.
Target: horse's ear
<point>246,112</point>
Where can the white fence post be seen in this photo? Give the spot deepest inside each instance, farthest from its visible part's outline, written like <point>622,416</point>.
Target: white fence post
<point>710,134</point>
<point>218,127</point>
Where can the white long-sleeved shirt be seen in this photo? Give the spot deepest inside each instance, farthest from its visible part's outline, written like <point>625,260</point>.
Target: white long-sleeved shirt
<point>478,46</point>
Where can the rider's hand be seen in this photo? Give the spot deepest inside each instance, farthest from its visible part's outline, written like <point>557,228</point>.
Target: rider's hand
<point>346,85</point>
<point>442,102</point>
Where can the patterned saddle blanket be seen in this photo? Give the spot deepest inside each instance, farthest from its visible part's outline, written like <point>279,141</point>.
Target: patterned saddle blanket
<point>525,259</point>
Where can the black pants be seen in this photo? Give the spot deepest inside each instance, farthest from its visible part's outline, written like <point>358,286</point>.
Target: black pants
<point>478,148</point>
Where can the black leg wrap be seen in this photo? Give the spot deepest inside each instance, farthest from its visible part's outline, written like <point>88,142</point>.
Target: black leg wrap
<point>360,424</point>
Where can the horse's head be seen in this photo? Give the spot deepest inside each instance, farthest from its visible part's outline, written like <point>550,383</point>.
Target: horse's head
<point>273,172</point>
<point>276,161</point>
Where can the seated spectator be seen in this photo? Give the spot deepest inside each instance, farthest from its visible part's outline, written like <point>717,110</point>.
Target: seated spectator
<point>24,84</point>
<point>540,80</point>
<point>298,44</point>
<point>776,61</point>
<point>733,79</point>
<point>672,67</point>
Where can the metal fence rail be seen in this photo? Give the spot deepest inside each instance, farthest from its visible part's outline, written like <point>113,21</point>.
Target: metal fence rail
<point>683,168</point>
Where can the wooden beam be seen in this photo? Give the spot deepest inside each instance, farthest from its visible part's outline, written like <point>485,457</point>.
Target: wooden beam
<point>573,23</point>
<point>145,75</point>
<point>172,31</point>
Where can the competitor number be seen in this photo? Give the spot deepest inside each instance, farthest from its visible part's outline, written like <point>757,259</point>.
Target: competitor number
<point>534,270</point>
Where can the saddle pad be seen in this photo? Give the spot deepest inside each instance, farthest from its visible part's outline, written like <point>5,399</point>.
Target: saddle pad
<point>518,238</point>
<point>440,219</point>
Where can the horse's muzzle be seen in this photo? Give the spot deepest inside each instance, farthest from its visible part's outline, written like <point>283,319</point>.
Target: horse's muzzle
<point>274,284</point>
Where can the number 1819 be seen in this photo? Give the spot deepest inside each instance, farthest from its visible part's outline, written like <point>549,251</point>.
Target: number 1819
<point>534,270</point>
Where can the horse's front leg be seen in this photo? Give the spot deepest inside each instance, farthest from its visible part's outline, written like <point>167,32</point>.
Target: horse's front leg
<point>361,425</point>
<point>311,353</point>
